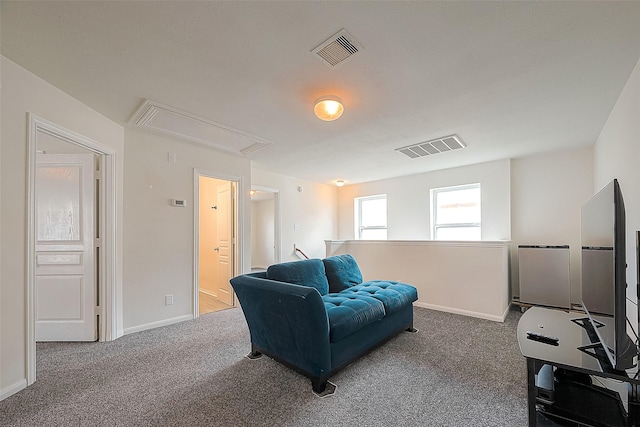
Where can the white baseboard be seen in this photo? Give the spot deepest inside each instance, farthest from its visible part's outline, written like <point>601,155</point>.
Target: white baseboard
<point>210,293</point>
<point>13,389</point>
<point>476,314</point>
<point>157,324</point>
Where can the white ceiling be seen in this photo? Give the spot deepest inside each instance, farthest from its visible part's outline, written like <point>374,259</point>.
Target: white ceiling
<point>511,79</point>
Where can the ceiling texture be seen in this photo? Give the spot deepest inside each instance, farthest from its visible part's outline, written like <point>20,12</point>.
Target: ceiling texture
<point>510,79</point>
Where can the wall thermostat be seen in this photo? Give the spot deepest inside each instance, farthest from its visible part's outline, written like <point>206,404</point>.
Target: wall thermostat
<point>178,202</point>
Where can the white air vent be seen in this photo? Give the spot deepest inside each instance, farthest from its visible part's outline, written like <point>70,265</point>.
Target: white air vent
<point>185,125</point>
<point>337,49</point>
<point>435,146</point>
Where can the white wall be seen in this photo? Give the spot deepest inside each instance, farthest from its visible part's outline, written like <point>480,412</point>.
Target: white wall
<point>22,93</point>
<point>159,238</point>
<point>308,217</point>
<point>532,200</point>
<point>469,278</point>
<point>547,192</point>
<point>1,139</point>
<point>617,155</point>
<point>408,200</point>
<point>262,233</point>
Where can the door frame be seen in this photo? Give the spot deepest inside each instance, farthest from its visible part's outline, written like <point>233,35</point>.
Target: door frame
<point>277,220</point>
<point>108,293</point>
<point>238,206</point>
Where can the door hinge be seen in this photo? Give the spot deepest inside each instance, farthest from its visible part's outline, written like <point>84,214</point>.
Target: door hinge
<point>98,242</point>
<point>98,308</point>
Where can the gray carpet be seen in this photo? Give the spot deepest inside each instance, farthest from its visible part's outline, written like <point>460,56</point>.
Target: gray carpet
<point>457,371</point>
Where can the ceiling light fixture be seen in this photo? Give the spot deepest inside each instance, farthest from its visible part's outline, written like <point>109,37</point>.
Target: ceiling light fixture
<point>340,183</point>
<point>328,108</point>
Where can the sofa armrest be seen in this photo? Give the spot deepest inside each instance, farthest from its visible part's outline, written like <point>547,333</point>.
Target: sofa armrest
<point>286,321</point>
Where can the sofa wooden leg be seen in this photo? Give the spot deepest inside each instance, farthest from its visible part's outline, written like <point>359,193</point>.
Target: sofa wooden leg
<point>254,355</point>
<point>322,388</point>
<point>318,385</point>
<point>412,330</point>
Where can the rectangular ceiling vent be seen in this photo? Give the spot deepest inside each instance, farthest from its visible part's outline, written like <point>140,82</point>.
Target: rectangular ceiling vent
<point>337,49</point>
<point>435,146</point>
<point>152,115</point>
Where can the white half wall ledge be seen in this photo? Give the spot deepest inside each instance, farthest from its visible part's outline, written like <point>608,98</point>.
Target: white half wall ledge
<point>470,278</point>
<point>444,243</point>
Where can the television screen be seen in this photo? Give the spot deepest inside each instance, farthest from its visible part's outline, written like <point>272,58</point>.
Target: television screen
<point>598,258</point>
<point>604,273</point>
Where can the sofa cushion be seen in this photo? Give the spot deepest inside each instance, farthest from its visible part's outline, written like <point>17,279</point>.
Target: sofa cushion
<point>342,272</point>
<point>349,313</point>
<point>394,295</point>
<point>309,272</point>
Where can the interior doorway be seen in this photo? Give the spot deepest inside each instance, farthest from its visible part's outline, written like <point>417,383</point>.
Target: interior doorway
<point>216,242</point>
<point>265,227</point>
<point>54,150</point>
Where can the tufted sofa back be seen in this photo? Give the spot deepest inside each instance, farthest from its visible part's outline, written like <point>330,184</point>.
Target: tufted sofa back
<point>309,272</point>
<point>342,272</point>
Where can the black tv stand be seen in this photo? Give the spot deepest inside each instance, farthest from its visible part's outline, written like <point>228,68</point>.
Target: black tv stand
<point>559,377</point>
<point>585,323</point>
<point>596,348</point>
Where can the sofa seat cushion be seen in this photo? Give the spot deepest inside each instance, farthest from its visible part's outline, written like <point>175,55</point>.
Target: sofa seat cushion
<point>349,313</point>
<point>342,272</point>
<point>394,295</point>
<point>308,272</point>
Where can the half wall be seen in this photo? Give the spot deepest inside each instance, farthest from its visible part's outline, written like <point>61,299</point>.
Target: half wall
<point>469,278</point>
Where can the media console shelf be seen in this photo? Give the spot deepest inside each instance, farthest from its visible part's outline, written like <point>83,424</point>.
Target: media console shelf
<point>560,385</point>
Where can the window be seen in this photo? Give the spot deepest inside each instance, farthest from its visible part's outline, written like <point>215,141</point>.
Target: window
<point>455,213</point>
<point>371,217</point>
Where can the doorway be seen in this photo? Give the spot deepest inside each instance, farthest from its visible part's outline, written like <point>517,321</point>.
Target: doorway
<point>216,242</point>
<point>60,151</point>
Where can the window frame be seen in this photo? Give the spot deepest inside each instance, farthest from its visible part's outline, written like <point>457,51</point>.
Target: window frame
<point>434,209</point>
<point>358,216</point>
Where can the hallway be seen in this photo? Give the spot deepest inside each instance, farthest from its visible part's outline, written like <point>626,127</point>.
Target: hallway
<point>209,304</point>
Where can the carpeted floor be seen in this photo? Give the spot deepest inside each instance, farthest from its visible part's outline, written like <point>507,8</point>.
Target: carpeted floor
<point>457,371</point>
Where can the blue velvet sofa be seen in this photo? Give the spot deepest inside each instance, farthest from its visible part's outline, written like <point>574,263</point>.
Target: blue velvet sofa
<point>316,316</point>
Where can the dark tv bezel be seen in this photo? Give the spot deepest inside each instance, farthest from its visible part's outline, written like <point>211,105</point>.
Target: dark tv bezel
<point>623,352</point>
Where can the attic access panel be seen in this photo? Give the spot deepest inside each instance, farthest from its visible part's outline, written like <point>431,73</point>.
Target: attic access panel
<point>163,118</point>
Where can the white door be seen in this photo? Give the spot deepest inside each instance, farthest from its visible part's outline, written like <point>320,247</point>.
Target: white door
<point>65,291</point>
<point>225,242</point>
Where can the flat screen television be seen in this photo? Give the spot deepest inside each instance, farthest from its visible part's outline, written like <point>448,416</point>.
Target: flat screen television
<point>604,293</point>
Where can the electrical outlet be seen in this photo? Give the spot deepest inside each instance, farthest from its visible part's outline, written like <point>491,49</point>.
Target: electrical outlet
<point>168,300</point>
